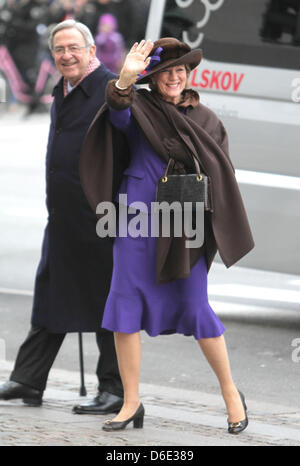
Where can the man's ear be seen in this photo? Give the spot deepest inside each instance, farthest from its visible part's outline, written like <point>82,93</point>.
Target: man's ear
<point>92,51</point>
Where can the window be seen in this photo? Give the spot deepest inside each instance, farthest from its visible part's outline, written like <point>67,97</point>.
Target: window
<point>252,32</point>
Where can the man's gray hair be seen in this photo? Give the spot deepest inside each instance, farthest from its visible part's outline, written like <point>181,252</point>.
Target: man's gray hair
<point>71,23</point>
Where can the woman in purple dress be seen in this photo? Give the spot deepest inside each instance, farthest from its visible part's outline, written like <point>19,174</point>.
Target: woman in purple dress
<point>158,285</point>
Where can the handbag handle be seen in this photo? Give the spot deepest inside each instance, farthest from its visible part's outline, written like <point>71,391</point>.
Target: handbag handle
<point>171,161</point>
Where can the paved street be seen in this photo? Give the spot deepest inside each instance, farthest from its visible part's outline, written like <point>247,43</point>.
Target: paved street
<point>260,310</point>
<point>174,417</point>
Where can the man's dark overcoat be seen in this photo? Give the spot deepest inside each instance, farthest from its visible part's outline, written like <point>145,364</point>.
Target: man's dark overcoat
<point>74,273</point>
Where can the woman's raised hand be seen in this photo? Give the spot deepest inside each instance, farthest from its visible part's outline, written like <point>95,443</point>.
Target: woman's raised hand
<point>135,62</point>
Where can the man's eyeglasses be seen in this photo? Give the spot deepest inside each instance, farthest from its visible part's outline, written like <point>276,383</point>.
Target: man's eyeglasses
<point>73,49</point>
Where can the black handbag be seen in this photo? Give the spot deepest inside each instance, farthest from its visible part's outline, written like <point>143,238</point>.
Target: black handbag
<point>194,187</point>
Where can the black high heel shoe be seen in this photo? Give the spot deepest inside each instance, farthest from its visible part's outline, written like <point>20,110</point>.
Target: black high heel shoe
<point>237,427</point>
<point>137,418</point>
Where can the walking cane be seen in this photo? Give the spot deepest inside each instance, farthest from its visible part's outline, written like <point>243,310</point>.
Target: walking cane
<point>82,391</point>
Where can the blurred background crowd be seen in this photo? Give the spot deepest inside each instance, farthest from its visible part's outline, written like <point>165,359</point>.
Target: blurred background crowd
<point>26,63</point>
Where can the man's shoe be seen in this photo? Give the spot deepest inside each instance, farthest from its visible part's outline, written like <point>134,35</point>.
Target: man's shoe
<point>103,403</point>
<point>12,390</point>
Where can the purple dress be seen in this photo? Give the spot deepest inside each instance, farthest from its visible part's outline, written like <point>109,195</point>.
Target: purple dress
<point>135,301</point>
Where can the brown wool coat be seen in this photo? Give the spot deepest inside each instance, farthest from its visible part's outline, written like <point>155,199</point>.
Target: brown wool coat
<point>170,132</point>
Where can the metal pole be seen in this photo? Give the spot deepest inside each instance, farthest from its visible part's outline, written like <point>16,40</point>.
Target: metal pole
<point>155,19</point>
<point>82,391</point>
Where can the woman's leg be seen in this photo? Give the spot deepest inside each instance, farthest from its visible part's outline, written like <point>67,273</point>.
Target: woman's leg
<point>128,348</point>
<point>216,354</point>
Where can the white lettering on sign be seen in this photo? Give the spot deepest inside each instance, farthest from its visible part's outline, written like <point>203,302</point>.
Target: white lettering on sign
<point>296,92</point>
<point>208,8</point>
<point>219,80</point>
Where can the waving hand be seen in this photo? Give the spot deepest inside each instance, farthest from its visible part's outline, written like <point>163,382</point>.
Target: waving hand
<point>135,62</point>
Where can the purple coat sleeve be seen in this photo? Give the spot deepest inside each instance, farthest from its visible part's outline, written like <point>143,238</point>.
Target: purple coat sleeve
<point>121,119</point>
<point>119,102</point>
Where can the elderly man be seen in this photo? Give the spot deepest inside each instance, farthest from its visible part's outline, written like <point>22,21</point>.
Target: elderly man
<point>74,273</point>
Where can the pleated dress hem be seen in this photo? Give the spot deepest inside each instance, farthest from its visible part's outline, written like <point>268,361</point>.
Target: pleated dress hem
<point>187,318</point>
